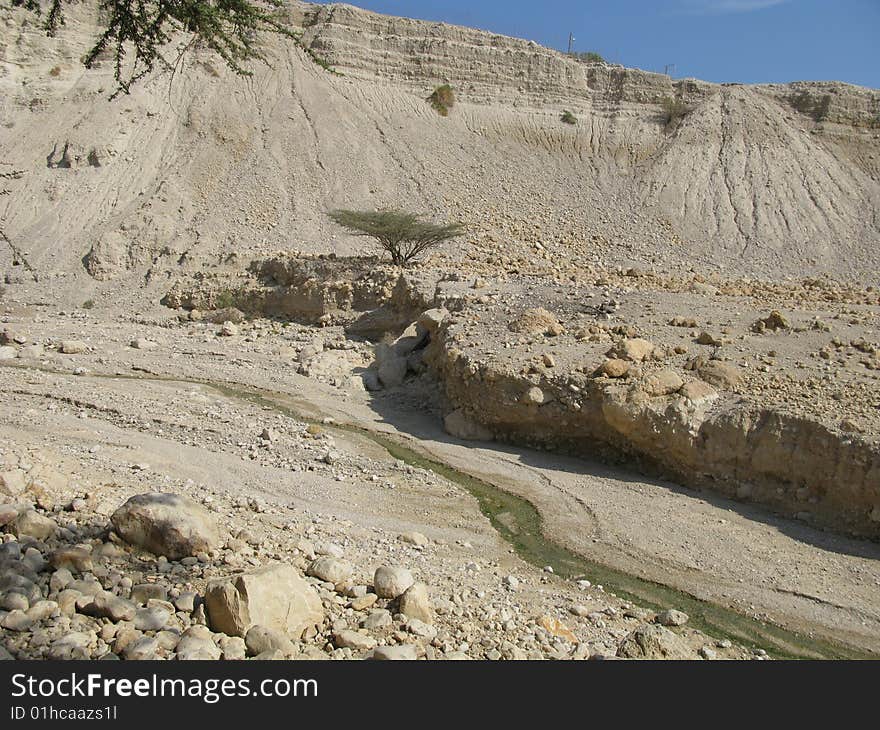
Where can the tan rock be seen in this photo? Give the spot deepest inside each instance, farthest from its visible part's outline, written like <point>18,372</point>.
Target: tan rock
<point>707,338</point>
<point>415,603</point>
<point>720,374</point>
<point>262,638</point>
<point>31,523</point>
<point>276,597</point>
<point>432,319</point>
<point>534,396</point>
<point>8,512</point>
<point>414,538</point>
<point>391,582</point>
<point>773,321</point>
<point>555,627</point>
<point>536,321</point>
<point>392,372</point>
<point>363,602</point>
<point>653,641</point>
<point>74,559</point>
<point>698,392</point>
<point>353,640</point>
<point>72,347</point>
<point>400,652</point>
<point>634,350</point>
<point>662,382</point>
<point>330,570</point>
<point>13,482</point>
<point>615,368</point>
<point>167,524</point>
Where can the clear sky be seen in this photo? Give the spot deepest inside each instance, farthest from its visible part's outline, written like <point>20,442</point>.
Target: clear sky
<point>748,41</point>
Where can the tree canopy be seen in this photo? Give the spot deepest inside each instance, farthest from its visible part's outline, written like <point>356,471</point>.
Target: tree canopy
<point>136,33</point>
<point>404,235</point>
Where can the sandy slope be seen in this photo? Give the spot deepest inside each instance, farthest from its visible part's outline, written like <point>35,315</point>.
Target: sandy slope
<point>185,172</point>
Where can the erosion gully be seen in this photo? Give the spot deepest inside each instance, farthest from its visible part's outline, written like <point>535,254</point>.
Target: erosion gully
<point>519,523</point>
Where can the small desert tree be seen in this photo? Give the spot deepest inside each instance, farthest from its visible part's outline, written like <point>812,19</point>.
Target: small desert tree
<point>403,235</point>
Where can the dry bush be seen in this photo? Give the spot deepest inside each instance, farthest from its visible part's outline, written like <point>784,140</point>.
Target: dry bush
<point>442,99</point>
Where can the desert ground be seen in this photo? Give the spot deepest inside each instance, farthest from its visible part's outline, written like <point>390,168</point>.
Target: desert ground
<point>634,412</point>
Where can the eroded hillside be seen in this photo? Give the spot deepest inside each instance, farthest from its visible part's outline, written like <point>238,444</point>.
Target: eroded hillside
<point>186,172</point>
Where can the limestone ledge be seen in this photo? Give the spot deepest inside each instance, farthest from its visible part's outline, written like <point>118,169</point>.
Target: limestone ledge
<point>713,441</point>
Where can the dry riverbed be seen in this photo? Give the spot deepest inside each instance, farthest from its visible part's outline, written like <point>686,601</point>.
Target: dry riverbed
<point>289,490</point>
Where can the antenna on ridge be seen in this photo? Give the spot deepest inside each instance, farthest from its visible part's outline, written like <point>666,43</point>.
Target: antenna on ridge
<point>668,67</point>
<point>571,40</point>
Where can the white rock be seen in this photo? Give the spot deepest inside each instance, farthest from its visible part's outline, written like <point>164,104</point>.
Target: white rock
<point>416,604</point>
<point>330,570</point>
<point>391,582</point>
<point>401,652</point>
<point>353,640</point>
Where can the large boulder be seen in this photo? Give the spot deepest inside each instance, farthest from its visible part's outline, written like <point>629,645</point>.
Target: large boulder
<point>30,523</point>
<point>413,338</point>
<point>276,597</point>
<point>167,524</point>
<point>392,372</point>
<point>652,641</point>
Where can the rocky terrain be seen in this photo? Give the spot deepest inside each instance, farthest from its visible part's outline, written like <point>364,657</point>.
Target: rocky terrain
<point>167,520</point>
<point>633,413</point>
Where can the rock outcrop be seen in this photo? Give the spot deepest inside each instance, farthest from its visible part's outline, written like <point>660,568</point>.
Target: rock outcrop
<point>667,425</point>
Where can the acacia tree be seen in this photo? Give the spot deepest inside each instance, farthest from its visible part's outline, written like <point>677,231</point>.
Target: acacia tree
<point>137,32</point>
<point>403,235</point>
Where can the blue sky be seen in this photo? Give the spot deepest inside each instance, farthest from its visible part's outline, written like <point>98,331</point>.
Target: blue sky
<point>749,41</point>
